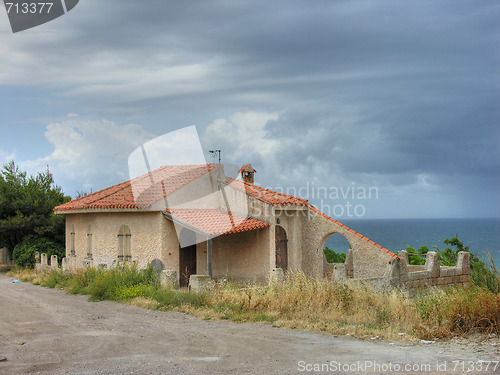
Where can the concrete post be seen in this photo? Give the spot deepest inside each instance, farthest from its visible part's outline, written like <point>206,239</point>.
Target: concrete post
<point>339,273</point>
<point>463,262</point>
<point>53,262</point>
<point>169,279</point>
<point>277,276</point>
<point>403,254</point>
<point>64,264</point>
<point>199,283</point>
<point>349,263</point>
<point>432,263</point>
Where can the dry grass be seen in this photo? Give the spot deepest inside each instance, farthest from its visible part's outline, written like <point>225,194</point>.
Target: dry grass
<point>315,305</point>
<point>301,302</point>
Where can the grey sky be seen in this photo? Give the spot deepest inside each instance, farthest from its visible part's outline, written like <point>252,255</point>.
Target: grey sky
<point>398,95</point>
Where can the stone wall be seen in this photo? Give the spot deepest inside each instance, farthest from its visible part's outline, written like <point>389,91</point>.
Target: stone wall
<point>146,230</point>
<point>41,263</point>
<point>366,259</point>
<point>411,278</point>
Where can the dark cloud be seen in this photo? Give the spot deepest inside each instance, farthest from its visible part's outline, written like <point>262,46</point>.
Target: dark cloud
<point>378,91</point>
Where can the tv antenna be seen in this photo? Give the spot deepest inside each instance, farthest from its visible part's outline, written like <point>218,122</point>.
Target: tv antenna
<point>215,153</point>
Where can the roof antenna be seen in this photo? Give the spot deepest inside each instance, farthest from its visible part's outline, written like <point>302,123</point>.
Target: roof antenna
<point>215,153</point>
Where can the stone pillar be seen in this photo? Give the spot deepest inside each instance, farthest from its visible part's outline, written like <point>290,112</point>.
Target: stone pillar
<point>53,262</point>
<point>403,254</point>
<point>64,264</point>
<point>463,263</point>
<point>432,263</point>
<point>276,276</point>
<point>37,257</point>
<point>169,279</point>
<point>349,264</point>
<point>339,273</point>
<point>399,272</point>
<point>199,283</point>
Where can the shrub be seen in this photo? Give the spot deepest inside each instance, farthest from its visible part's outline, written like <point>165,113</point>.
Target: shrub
<point>24,253</point>
<point>333,257</point>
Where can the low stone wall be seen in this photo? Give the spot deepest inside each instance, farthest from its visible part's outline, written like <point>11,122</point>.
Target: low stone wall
<point>435,275</point>
<point>408,277</point>
<point>41,263</point>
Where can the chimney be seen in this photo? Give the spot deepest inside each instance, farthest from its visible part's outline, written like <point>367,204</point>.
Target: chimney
<point>247,173</point>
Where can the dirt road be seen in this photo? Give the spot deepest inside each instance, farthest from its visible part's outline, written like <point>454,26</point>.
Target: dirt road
<point>46,331</point>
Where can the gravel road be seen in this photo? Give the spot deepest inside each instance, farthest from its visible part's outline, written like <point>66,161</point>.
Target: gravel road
<point>46,331</point>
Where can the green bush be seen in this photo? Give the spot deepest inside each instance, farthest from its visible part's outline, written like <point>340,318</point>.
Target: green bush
<point>24,253</point>
<point>333,257</point>
<point>483,273</point>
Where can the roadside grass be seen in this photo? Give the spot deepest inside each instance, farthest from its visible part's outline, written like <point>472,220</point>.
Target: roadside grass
<point>298,302</point>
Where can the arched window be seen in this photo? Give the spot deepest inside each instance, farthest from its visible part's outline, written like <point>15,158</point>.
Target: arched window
<point>89,242</point>
<point>124,252</point>
<point>72,241</point>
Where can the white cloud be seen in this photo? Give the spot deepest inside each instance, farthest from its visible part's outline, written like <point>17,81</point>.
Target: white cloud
<point>242,135</point>
<point>5,157</point>
<point>90,153</point>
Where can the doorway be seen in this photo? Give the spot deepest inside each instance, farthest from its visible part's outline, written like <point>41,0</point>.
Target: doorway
<point>281,248</point>
<point>187,257</point>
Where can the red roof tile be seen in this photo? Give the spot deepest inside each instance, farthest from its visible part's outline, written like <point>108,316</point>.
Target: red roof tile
<point>272,197</point>
<point>167,179</point>
<point>171,178</point>
<point>217,222</point>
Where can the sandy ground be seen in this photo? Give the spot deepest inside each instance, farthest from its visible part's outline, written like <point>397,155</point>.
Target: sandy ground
<point>46,331</point>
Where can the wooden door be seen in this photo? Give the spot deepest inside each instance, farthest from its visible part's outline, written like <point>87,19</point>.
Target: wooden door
<point>187,264</point>
<point>281,248</point>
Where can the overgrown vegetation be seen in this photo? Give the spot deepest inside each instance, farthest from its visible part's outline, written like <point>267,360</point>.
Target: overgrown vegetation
<point>117,284</point>
<point>299,302</point>
<point>24,253</point>
<point>333,257</point>
<point>483,272</point>
<point>26,204</point>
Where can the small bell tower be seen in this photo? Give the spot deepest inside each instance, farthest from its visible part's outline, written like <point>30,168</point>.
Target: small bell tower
<point>247,173</point>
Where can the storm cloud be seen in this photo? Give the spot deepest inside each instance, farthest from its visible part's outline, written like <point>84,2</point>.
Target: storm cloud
<point>399,95</point>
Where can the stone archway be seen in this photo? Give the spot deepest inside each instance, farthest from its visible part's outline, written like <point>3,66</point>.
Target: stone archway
<point>339,244</point>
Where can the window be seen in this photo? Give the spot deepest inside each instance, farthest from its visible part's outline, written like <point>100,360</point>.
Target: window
<point>72,241</point>
<point>124,253</point>
<point>89,242</point>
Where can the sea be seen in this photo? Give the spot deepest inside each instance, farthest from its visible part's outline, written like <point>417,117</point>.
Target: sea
<point>481,235</point>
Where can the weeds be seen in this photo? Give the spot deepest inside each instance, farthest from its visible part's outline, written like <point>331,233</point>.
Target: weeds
<point>298,302</point>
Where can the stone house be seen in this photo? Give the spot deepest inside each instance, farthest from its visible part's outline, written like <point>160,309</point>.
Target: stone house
<point>193,219</point>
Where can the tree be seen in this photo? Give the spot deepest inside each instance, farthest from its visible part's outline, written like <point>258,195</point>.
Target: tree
<point>333,257</point>
<point>24,252</point>
<point>26,206</point>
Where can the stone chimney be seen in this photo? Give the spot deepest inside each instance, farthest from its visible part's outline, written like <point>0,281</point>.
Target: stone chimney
<point>247,173</point>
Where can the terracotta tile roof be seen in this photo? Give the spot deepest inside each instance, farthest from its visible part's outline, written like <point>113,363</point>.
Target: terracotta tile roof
<point>213,221</point>
<point>167,179</point>
<point>217,222</point>
<point>265,195</point>
<point>279,199</point>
